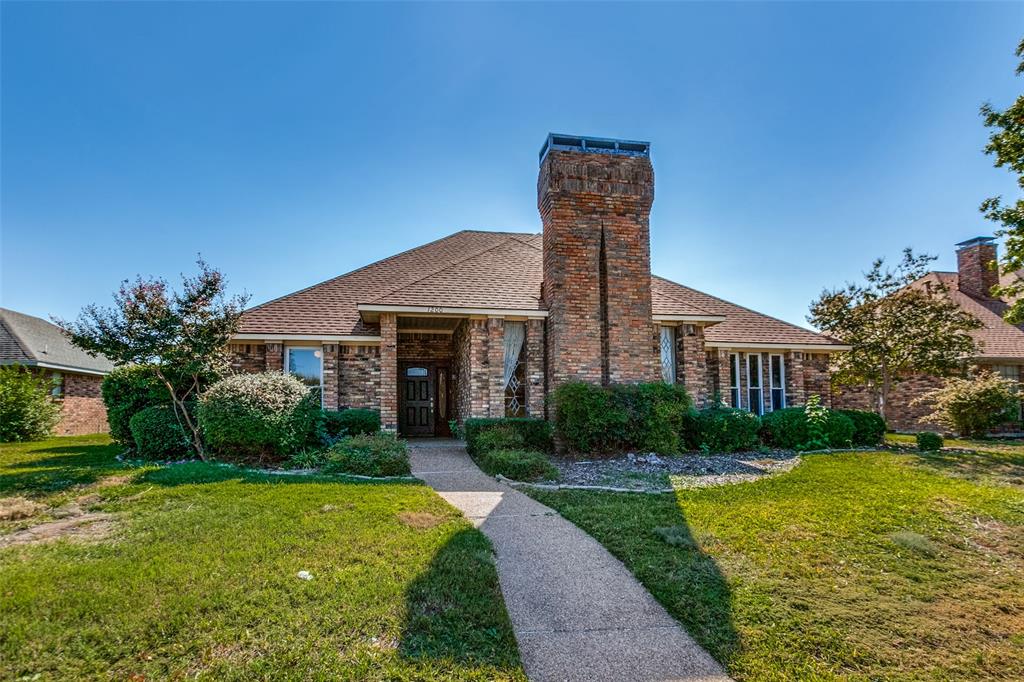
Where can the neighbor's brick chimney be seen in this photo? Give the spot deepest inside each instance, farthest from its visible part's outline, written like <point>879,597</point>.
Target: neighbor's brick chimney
<point>976,274</point>
<point>594,197</point>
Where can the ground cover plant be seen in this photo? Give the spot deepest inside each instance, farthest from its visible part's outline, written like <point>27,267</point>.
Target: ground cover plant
<point>377,454</point>
<point>196,575</point>
<point>862,565</point>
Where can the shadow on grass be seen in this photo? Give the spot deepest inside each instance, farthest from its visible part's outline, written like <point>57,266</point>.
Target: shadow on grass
<point>455,611</point>
<point>1006,466</point>
<point>196,473</point>
<point>67,467</point>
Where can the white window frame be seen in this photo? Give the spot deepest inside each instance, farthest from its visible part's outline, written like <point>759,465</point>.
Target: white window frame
<point>771,380</point>
<point>735,391</point>
<point>760,385</point>
<point>287,369</point>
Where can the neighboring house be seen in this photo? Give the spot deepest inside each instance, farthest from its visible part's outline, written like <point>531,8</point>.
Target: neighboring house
<point>1000,345</point>
<point>482,324</point>
<point>76,375</point>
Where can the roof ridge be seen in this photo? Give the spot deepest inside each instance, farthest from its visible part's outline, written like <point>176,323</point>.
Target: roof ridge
<point>516,235</point>
<point>751,310</point>
<point>449,266</point>
<point>12,330</point>
<point>676,299</point>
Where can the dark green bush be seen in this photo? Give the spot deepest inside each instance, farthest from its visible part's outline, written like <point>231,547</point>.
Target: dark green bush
<point>595,419</point>
<point>127,391</point>
<point>928,441</point>
<point>788,428</point>
<point>500,437</point>
<point>721,429</point>
<point>158,434</point>
<point>868,427</point>
<point>519,465</point>
<point>535,434</point>
<point>260,416</point>
<point>27,412</point>
<point>378,454</point>
<point>351,421</point>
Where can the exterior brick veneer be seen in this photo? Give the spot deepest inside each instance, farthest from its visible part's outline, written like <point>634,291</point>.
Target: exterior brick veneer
<point>248,357</point>
<point>974,276</point>
<point>692,363</point>
<point>82,409</point>
<point>389,372</point>
<point>359,377</point>
<point>496,367</point>
<point>275,357</point>
<point>535,369</point>
<point>330,375</point>
<point>595,209</point>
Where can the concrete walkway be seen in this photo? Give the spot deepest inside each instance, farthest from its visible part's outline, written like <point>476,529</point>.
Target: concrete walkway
<point>577,611</point>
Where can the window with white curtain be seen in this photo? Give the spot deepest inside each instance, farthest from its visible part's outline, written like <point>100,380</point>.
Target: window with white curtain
<point>734,379</point>
<point>668,354</point>
<point>514,369</point>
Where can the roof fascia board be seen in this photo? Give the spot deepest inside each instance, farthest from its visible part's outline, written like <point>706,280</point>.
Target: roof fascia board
<point>448,311</point>
<point>708,319</point>
<point>820,347</point>
<point>56,366</point>
<point>326,338</point>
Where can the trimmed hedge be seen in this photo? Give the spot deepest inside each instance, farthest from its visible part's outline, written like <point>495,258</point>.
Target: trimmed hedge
<point>158,434</point>
<point>519,465</point>
<point>378,454</point>
<point>127,391</point>
<point>928,441</point>
<point>595,419</point>
<point>268,415</point>
<point>26,410</point>
<point>788,428</point>
<point>535,434</point>
<point>868,427</point>
<point>721,429</point>
<point>350,422</point>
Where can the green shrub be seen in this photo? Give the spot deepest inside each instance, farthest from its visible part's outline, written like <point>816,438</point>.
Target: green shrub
<point>158,434</point>
<point>973,406</point>
<point>595,419</point>
<point>259,416</point>
<point>27,412</point>
<point>378,454</point>
<point>351,421</point>
<point>307,459</point>
<point>127,391</point>
<point>868,427</point>
<point>519,465</point>
<point>499,437</point>
<point>790,428</point>
<point>928,441</point>
<point>721,429</point>
<point>534,434</point>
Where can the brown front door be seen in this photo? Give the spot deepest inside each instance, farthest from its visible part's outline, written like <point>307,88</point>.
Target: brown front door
<point>416,412</point>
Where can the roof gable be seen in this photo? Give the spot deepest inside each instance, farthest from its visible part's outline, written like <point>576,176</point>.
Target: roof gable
<point>29,340</point>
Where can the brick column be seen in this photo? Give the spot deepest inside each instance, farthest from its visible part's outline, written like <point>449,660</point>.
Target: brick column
<point>389,372</point>
<point>795,393</point>
<point>275,357</point>
<point>496,366</point>
<point>330,369</point>
<point>724,373</point>
<point>480,384</point>
<point>692,363</point>
<point>535,368</point>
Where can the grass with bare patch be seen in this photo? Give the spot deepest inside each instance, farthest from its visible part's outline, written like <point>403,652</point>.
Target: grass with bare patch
<point>854,565</point>
<point>195,575</point>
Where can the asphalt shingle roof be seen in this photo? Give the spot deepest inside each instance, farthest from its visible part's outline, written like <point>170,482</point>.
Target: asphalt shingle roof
<point>29,340</point>
<point>997,338</point>
<point>474,269</point>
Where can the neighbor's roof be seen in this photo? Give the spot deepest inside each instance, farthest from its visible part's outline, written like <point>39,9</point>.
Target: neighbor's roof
<point>32,341</point>
<point>997,338</point>
<point>494,270</point>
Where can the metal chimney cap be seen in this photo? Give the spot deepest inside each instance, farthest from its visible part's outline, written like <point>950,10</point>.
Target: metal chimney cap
<point>594,145</point>
<point>976,241</point>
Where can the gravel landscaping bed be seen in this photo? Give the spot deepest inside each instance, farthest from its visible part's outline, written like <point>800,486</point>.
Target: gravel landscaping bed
<point>691,470</point>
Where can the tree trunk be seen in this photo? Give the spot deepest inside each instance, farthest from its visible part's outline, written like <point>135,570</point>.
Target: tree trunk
<point>883,403</point>
<point>181,413</point>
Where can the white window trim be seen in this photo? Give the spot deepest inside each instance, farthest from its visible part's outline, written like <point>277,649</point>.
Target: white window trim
<point>782,375</point>
<point>734,360</point>
<point>760,384</point>
<point>287,369</point>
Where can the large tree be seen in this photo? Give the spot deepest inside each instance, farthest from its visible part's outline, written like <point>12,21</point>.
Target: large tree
<point>1006,143</point>
<point>183,335</point>
<point>897,324</point>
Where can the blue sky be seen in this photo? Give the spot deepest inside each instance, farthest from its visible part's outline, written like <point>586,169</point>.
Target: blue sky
<point>792,143</point>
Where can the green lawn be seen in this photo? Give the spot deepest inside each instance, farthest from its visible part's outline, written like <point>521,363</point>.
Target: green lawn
<point>196,576</point>
<point>862,566</point>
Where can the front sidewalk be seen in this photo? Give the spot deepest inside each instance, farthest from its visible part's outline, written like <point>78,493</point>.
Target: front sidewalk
<point>577,612</point>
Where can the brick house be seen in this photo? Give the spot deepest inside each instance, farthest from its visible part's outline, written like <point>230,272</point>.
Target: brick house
<point>484,324</point>
<point>1000,345</point>
<point>35,343</point>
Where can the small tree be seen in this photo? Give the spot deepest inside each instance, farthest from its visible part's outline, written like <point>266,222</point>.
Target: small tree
<point>182,335</point>
<point>27,412</point>
<point>972,406</point>
<point>1006,142</point>
<point>896,325</point>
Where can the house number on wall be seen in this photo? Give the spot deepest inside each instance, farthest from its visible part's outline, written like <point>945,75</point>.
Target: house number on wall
<point>434,309</point>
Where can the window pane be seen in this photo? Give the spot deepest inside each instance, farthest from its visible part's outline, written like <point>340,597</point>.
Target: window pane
<point>778,399</point>
<point>754,370</point>
<point>756,404</point>
<point>777,371</point>
<point>735,397</point>
<point>734,370</point>
<point>416,372</point>
<point>668,355</point>
<point>304,363</point>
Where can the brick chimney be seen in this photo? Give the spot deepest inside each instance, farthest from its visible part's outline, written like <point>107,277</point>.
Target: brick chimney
<point>975,270</point>
<point>594,196</point>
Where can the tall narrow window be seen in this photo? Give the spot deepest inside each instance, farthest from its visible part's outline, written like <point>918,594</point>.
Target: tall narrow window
<point>754,395</point>
<point>777,374</point>
<point>668,354</point>
<point>734,379</point>
<point>305,364</point>
<point>515,371</point>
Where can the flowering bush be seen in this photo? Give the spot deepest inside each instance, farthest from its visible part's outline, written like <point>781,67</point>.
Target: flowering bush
<point>973,406</point>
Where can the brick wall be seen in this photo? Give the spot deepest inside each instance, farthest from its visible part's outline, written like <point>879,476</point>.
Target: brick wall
<point>359,377</point>
<point>388,393</point>
<point>900,413</point>
<point>329,360</point>
<point>247,357</point>
<point>495,367</point>
<point>419,346</point>
<point>82,409</point>
<point>461,371</point>
<point>817,378</point>
<point>535,369</point>
<point>692,363</point>
<point>595,210</point>
<point>974,276</point>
